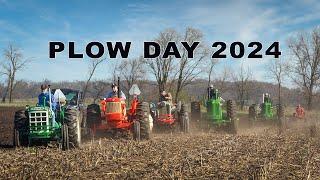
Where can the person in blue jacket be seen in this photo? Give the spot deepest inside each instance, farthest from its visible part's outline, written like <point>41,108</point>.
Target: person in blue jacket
<point>44,100</point>
<point>114,93</point>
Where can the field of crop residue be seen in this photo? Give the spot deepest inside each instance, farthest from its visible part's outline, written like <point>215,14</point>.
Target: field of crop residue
<point>255,153</point>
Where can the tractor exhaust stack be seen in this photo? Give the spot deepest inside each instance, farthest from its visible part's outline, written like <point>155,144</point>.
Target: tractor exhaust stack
<point>119,90</point>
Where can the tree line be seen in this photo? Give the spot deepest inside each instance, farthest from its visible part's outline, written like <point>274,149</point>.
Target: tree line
<point>181,75</point>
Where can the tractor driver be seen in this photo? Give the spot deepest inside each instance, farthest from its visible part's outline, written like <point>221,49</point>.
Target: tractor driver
<point>44,99</point>
<point>211,92</point>
<point>114,93</point>
<point>166,100</point>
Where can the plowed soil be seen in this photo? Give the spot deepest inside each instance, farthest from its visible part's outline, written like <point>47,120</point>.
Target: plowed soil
<point>255,153</point>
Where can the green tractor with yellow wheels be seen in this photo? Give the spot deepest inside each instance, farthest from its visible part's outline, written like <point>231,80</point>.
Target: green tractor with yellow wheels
<point>47,122</point>
<point>216,116</point>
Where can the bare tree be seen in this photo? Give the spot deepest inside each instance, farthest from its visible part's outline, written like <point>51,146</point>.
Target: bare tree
<point>92,68</point>
<point>190,68</point>
<point>222,78</point>
<point>162,68</point>
<point>98,88</point>
<point>131,70</point>
<point>306,68</point>
<point>12,63</point>
<point>277,70</point>
<point>212,63</point>
<point>241,81</point>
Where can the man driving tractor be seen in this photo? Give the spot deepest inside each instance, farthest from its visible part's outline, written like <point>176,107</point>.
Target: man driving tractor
<point>114,93</point>
<point>166,100</point>
<point>45,98</point>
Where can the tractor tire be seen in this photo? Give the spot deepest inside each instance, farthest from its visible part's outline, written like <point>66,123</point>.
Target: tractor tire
<point>142,116</point>
<point>20,132</point>
<point>184,119</point>
<point>93,115</point>
<point>72,120</point>
<point>65,137</point>
<point>231,115</point>
<point>136,131</point>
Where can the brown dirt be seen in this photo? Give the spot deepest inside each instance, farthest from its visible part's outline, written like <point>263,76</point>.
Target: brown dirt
<point>6,124</point>
<point>256,153</point>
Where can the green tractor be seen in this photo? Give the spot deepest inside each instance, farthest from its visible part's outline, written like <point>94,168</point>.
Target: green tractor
<point>44,124</point>
<point>220,119</point>
<point>265,111</point>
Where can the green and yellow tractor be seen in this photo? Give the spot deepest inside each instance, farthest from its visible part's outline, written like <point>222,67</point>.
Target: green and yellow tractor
<point>47,122</point>
<point>266,110</point>
<point>217,117</point>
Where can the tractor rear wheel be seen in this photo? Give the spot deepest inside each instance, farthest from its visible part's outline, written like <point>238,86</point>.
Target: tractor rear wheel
<point>72,120</point>
<point>20,132</point>
<point>65,137</point>
<point>184,119</point>
<point>93,115</point>
<point>231,116</point>
<point>142,115</point>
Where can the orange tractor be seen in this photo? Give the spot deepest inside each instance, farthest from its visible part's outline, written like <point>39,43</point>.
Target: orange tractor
<point>112,115</point>
<point>299,112</point>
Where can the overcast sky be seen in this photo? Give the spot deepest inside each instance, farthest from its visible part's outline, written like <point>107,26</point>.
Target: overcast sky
<point>32,24</point>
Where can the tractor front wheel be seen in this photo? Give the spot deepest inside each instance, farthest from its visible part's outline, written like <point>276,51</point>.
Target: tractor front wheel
<point>20,132</point>
<point>72,120</point>
<point>142,116</point>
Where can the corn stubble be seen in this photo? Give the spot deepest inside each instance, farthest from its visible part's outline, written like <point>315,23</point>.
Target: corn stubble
<point>293,154</point>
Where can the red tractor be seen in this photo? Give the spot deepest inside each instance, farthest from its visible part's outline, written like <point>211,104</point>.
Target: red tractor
<point>175,118</point>
<point>112,115</point>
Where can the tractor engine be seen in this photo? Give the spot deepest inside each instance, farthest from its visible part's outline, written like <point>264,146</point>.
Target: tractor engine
<point>267,108</point>
<point>214,109</point>
<point>114,112</point>
<point>40,121</point>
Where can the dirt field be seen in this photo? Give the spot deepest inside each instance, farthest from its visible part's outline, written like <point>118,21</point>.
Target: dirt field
<point>259,152</point>
<point>6,124</point>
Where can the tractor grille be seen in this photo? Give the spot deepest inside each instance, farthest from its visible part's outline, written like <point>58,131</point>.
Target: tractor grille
<point>39,121</point>
<point>114,107</point>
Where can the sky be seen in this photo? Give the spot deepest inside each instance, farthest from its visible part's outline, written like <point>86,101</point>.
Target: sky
<point>31,24</point>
